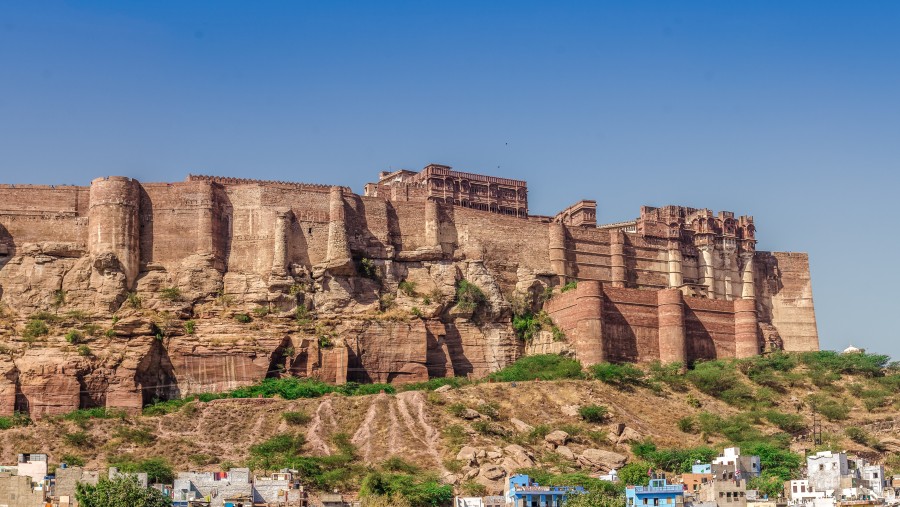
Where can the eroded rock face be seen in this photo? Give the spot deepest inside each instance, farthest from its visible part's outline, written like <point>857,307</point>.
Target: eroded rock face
<point>188,327</point>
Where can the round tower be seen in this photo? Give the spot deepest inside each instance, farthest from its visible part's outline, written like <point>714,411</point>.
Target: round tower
<point>338,249</point>
<point>113,224</point>
<point>746,343</point>
<point>672,344</point>
<point>589,343</point>
<point>617,257</point>
<point>557,239</point>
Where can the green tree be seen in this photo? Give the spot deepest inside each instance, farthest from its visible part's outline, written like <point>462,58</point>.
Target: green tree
<point>120,492</point>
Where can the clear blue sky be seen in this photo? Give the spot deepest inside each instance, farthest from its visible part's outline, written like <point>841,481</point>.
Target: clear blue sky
<point>789,111</point>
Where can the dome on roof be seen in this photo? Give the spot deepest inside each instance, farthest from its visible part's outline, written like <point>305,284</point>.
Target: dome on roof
<point>852,350</point>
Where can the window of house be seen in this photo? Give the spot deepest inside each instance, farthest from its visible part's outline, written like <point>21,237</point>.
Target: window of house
<point>656,501</point>
<point>795,488</point>
<point>645,501</point>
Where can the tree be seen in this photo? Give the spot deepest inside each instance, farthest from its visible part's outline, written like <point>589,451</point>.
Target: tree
<point>123,491</point>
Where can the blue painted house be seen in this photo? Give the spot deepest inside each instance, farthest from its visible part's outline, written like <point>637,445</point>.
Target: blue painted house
<point>657,493</point>
<point>523,492</point>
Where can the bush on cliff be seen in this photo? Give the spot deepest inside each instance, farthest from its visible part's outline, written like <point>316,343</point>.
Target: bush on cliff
<point>540,367</point>
<point>469,297</point>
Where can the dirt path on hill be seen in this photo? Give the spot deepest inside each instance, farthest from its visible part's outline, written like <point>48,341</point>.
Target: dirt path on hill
<point>324,416</point>
<point>417,421</point>
<point>363,437</point>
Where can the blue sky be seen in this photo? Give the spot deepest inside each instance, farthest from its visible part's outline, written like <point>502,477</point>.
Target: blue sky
<point>788,111</point>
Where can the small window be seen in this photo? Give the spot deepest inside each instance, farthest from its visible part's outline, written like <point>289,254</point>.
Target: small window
<point>795,488</point>
<point>822,466</point>
<point>645,501</point>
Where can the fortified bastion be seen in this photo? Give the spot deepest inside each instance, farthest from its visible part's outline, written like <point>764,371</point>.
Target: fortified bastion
<point>156,290</point>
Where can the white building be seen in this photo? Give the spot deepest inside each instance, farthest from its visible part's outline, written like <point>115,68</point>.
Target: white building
<point>825,469</point>
<point>800,492</point>
<point>872,477</point>
<point>746,466</point>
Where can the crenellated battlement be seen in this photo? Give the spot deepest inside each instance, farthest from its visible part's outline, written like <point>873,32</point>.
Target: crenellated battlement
<point>228,180</point>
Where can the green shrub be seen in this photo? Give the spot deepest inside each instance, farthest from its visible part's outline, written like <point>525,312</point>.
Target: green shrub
<point>121,491</point>
<point>77,439</point>
<point>398,464</point>
<point>261,311</point>
<point>158,470</point>
<point>35,328</point>
<point>593,413</point>
<point>15,420</point>
<point>674,459</point>
<point>407,287</point>
<point>790,423</point>
<point>771,485</point>
<point>170,294</point>
<point>72,460</point>
<point>416,312</point>
<point>617,374</point>
<point>569,286</point>
<point>832,409</point>
<point>190,327</point>
<point>858,435</point>
<point>422,490</point>
<point>489,410</point>
<point>243,318</point>
<point>367,268</point>
<point>456,409</point>
<point>84,351</point>
<point>669,374</point>
<point>687,425</point>
<point>288,388</point>
<point>296,418</point>
<point>472,488</point>
<point>133,300</point>
<point>432,384</point>
<point>635,473</point>
<point>136,435</point>
<point>302,316</point>
<point>73,336</point>
<point>871,365</point>
<point>540,367</point>
<point>469,297</point>
<point>775,460</point>
<point>82,417</point>
<point>488,428</point>
<point>720,379</point>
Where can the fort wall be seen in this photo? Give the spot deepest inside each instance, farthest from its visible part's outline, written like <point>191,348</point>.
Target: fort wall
<point>679,284</point>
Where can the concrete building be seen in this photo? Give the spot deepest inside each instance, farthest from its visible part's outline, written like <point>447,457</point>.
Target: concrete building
<point>743,465</point>
<point>524,492</point>
<point>19,491</point>
<point>693,481</point>
<point>825,469</point>
<point>214,487</point>
<point>278,488</point>
<point>872,477</point>
<point>67,478</point>
<point>658,493</point>
<point>799,492</point>
<point>724,493</point>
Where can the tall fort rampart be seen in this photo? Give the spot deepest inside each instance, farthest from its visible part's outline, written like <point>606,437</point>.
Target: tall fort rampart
<point>675,284</point>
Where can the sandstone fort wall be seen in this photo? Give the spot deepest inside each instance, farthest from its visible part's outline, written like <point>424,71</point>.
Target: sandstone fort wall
<point>678,284</point>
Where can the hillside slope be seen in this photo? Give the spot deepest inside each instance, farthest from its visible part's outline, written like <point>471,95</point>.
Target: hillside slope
<point>499,426</point>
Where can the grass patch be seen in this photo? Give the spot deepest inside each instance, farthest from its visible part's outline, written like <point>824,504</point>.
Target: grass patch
<point>540,367</point>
